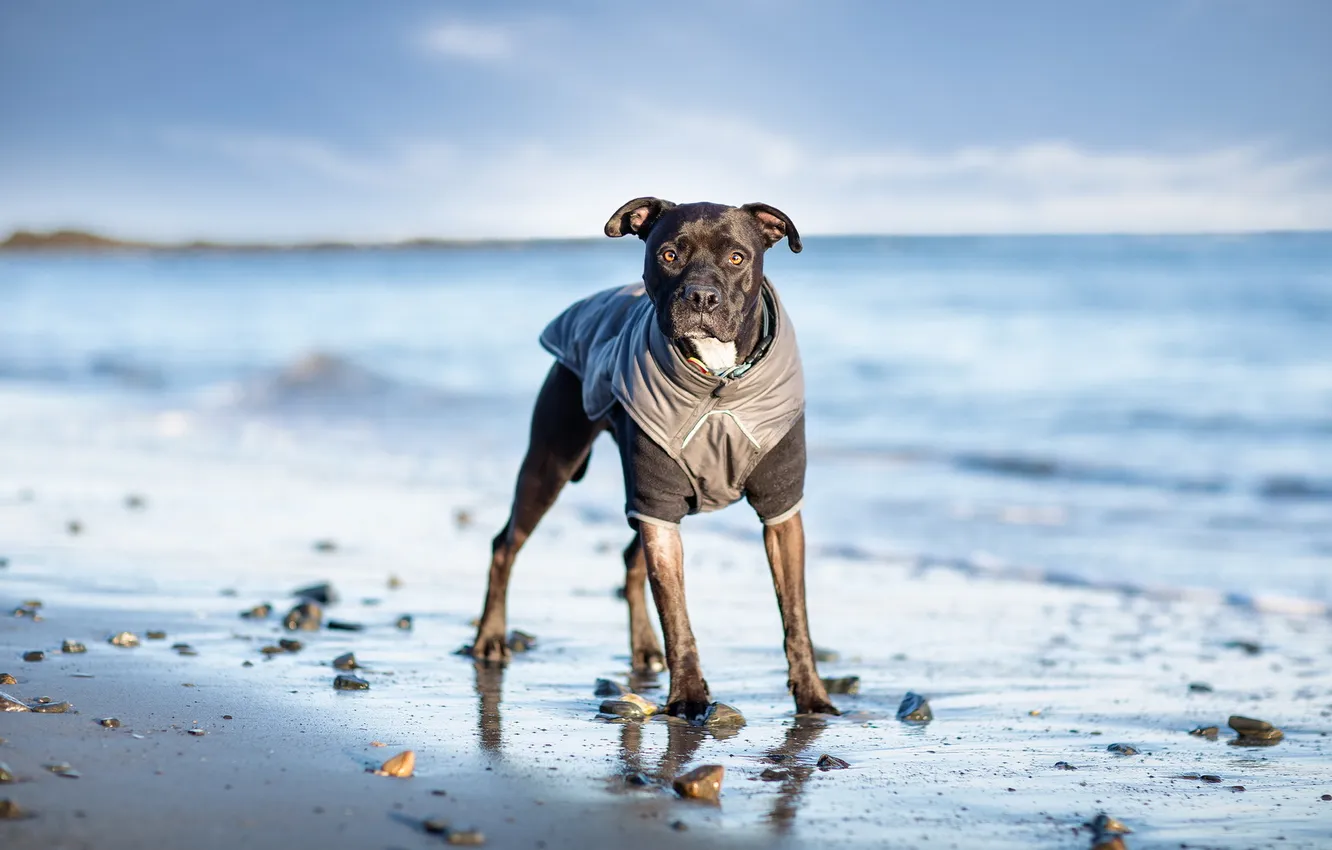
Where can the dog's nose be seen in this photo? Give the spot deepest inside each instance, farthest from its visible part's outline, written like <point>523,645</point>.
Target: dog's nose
<point>702,298</point>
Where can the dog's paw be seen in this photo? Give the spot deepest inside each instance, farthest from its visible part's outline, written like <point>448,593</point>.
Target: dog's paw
<point>818,707</point>
<point>649,661</point>
<point>692,710</point>
<point>488,648</point>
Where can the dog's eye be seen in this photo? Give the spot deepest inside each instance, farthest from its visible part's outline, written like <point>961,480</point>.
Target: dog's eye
<point>668,256</point>
<point>737,258</point>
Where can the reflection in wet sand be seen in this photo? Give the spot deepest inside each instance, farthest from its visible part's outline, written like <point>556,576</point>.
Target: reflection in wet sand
<point>683,742</point>
<point>489,687</point>
<point>799,737</point>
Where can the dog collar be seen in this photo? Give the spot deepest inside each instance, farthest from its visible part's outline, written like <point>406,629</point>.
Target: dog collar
<point>764,343</point>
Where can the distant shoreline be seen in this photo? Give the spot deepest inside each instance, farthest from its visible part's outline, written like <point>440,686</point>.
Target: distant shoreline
<point>74,241</point>
<point>82,241</point>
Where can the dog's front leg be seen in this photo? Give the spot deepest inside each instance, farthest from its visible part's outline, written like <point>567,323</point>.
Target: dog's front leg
<point>665,568</point>
<point>785,544</point>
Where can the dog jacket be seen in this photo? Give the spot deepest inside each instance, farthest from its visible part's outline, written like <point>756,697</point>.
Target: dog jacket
<point>715,427</point>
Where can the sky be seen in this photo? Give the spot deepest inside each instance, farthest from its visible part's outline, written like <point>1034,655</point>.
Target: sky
<point>251,119</point>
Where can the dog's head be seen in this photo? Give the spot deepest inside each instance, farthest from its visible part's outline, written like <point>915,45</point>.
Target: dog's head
<point>703,267</point>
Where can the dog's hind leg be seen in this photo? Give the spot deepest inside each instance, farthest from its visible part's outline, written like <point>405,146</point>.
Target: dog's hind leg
<point>644,652</point>
<point>561,438</point>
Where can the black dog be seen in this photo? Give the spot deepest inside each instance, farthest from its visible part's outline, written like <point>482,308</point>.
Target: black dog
<point>697,375</point>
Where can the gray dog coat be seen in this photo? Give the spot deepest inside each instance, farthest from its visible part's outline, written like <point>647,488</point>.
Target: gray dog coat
<point>715,427</point>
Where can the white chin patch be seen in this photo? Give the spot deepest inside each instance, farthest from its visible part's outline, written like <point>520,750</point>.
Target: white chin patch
<point>714,353</point>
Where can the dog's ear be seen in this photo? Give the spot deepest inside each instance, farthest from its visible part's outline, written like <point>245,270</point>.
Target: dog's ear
<point>775,224</point>
<point>637,216</point>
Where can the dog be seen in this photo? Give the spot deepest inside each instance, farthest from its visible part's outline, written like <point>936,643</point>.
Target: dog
<point>696,374</point>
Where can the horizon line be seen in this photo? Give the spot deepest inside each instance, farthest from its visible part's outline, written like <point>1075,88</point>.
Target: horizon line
<point>79,240</point>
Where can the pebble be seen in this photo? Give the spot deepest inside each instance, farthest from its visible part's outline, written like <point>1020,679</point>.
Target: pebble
<point>772,774</point>
<point>9,810</point>
<point>827,762</point>
<point>155,634</point>
<point>271,650</point>
<point>462,517</point>
<point>465,837</point>
<point>6,775</point>
<point>185,649</point>
<point>34,655</point>
<point>1063,765</point>
<point>629,707</point>
<point>345,661</point>
<point>1254,733</point>
<point>1106,832</point>
<point>52,708</point>
<point>1250,647</point>
<point>63,769</point>
<point>701,783</point>
<point>128,640</point>
<point>520,641</point>
<point>1200,688</point>
<point>305,617</point>
<point>198,733</point>
<point>291,645</point>
<point>404,622</point>
<point>350,683</point>
<point>402,765</point>
<point>344,626</point>
<point>394,583</point>
<point>8,703</point>
<point>722,716</point>
<point>109,722</point>
<point>637,779</point>
<point>258,612</point>
<point>842,685</point>
<point>8,679</point>
<point>679,825</point>
<point>825,656</point>
<point>608,688</point>
<point>1205,732</point>
<point>72,647</point>
<point>323,593</point>
<point>74,527</point>
<point>135,502</point>
<point>324,546</point>
<point>1326,798</point>
<point>1123,749</point>
<point>914,709</point>
<point>435,826</point>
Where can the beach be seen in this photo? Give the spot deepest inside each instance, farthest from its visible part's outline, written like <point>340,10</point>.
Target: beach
<point>1021,676</point>
<point>1071,492</point>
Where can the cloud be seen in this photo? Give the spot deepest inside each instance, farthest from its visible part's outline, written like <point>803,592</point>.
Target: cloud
<point>473,42</point>
<point>306,187</point>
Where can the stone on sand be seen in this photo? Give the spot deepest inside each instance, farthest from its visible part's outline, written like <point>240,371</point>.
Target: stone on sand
<point>701,783</point>
<point>842,685</point>
<point>914,709</point>
<point>402,765</point>
<point>1254,733</point>
<point>629,707</point>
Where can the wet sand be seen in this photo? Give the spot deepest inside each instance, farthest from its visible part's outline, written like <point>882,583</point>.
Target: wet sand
<point>1020,676</point>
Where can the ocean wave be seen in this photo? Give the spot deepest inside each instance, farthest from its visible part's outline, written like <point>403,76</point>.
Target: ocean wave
<point>1229,423</point>
<point>1273,487</point>
<point>331,382</point>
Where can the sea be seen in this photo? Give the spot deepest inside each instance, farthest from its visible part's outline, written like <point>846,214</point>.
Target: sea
<point>1152,414</point>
